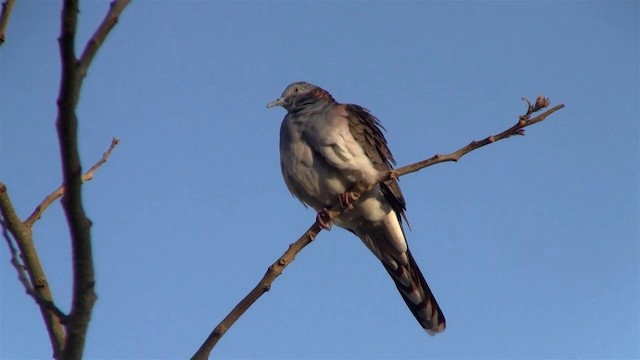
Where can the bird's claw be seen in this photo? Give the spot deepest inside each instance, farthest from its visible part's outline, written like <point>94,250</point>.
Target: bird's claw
<point>346,200</point>
<point>323,219</point>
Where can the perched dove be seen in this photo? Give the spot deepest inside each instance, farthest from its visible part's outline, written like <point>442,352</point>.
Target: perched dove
<point>326,150</point>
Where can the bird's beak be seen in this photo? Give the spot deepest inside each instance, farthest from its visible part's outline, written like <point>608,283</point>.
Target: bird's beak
<point>277,102</point>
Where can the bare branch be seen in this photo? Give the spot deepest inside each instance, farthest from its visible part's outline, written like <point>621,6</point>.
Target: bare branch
<point>263,286</point>
<point>38,280</point>
<point>25,243</point>
<point>4,18</point>
<point>109,21</point>
<point>517,129</point>
<point>57,193</point>
<point>67,344</point>
<point>79,225</point>
<point>15,259</point>
<point>73,72</point>
<point>276,268</point>
<point>24,280</point>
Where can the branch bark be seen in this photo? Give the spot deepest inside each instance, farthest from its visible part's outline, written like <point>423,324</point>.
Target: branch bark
<point>73,74</point>
<point>31,274</point>
<point>277,267</point>
<point>67,332</point>
<point>4,18</point>
<point>38,280</point>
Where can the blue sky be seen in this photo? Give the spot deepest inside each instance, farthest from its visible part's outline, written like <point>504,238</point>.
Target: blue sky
<point>530,245</point>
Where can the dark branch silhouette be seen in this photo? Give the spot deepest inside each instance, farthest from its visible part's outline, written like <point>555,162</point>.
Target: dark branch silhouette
<point>73,74</point>
<point>277,267</point>
<point>67,332</point>
<point>25,257</point>
<point>4,18</point>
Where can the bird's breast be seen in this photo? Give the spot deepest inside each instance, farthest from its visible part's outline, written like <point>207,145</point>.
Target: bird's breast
<point>307,174</point>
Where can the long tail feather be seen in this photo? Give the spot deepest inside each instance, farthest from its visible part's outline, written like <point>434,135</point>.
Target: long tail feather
<point>417,295</point>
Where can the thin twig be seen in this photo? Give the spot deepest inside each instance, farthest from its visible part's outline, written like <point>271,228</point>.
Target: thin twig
<point>15,259</point>
<point>57,193</point>
<point>24,279</point>
<point>73,74</point>
<point>277,267</point>
<point>263,286</point>
<point>4,18</point>
<point>38,280</point>
<point>517,129</point>
<point>109,21</point>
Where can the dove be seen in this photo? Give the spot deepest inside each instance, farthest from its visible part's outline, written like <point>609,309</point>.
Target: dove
<point>329,150</point>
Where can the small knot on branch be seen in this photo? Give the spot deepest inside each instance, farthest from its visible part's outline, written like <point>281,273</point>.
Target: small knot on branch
<point>40,284</point>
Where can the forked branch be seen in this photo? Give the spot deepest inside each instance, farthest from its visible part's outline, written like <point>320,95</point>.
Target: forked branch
<point>277,267</point>
<point>25,257</point>
<point>37,279</point>
<point>73,73</point>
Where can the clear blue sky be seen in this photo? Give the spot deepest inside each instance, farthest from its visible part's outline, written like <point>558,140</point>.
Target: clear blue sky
<point>531,245</point>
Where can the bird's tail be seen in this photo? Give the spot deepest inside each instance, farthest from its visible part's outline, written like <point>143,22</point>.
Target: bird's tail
<point>416,293</point>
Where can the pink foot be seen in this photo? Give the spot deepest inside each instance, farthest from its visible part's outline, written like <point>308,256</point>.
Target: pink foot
<point>323,219</point>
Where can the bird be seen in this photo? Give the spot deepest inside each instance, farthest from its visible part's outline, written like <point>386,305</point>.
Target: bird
<point>329,150</point>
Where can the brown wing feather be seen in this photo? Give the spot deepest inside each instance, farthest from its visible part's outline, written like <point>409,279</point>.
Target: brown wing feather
<point>367,131</point>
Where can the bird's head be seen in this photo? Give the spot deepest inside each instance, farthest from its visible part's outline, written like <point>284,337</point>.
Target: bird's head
<point>300,93</point>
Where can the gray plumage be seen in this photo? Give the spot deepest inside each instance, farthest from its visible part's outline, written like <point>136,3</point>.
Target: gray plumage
<point>326,149</point>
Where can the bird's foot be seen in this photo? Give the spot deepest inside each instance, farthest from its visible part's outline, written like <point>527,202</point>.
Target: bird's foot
<point>346,200</point>
<point>323,219</point>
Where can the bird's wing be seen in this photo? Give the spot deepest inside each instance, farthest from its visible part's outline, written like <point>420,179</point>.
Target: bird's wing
<point>367,131</point>
<point>386,238</point>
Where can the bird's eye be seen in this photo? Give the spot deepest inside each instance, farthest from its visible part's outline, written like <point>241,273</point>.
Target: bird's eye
<point>296,90</point>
